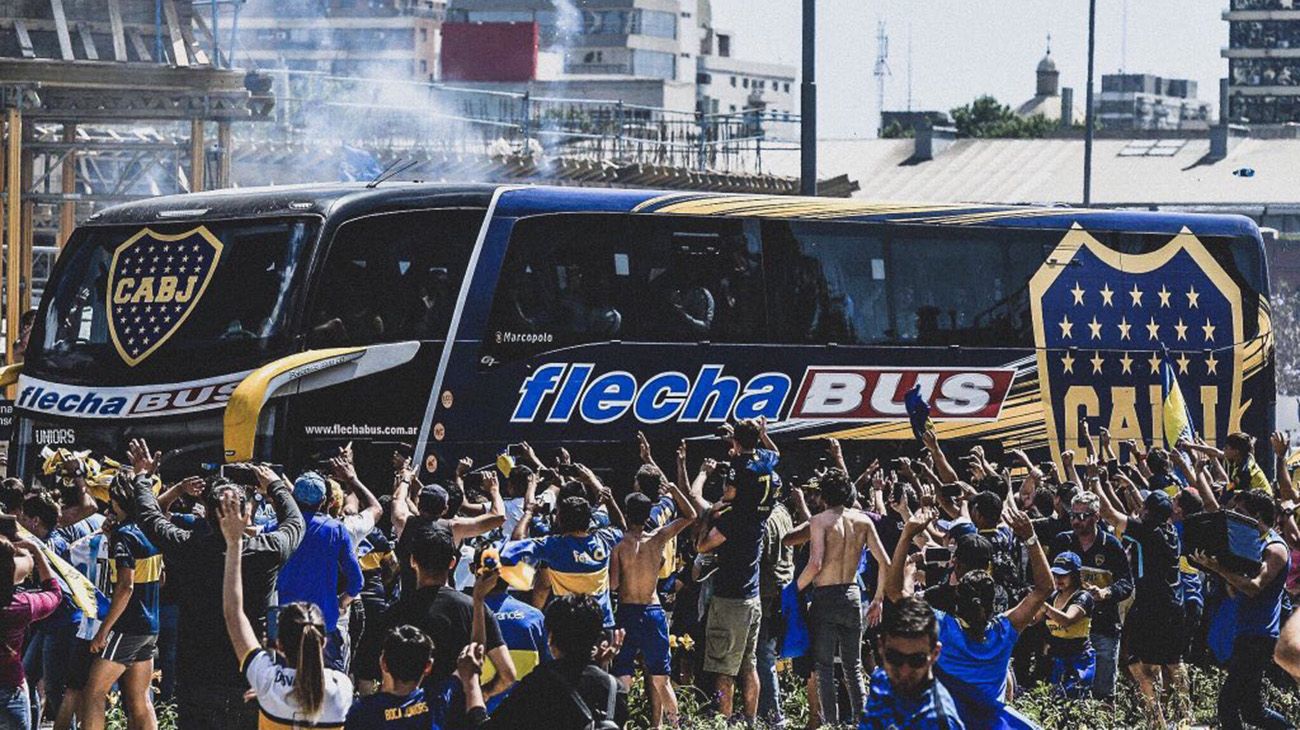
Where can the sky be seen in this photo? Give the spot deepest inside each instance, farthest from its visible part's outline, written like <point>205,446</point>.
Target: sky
<point>961,49</point>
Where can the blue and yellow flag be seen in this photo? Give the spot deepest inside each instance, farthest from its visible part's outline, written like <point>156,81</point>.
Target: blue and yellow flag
<point>1174,413</point>
<point>84,595</point>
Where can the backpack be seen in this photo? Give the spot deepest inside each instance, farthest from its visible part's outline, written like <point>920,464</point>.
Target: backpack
<point>593,719</point>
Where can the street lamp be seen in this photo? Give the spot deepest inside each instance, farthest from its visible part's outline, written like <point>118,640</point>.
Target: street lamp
<point>1089,119</point>
<point>808,104</point>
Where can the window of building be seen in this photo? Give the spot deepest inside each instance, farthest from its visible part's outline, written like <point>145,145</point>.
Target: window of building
<point>579,279</point>
<point>703,78</point>
<point>787,87</point>
<point>724,45</point>
<point>424,35</point>
<point>393,277</point>
<point>654,64</point>
<point>658,23</point>
<point>733,80</point>
<point>745,83</point>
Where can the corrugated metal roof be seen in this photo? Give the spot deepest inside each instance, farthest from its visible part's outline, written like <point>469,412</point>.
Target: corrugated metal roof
<point>1051,170</point>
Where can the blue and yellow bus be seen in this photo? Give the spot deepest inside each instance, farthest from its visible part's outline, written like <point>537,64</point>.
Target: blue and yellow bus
<point>280,323</point>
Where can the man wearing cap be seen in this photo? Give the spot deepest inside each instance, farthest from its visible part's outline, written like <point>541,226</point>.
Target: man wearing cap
<point>325,559</point>
<point>1106,575</point>
<point>1154,633</point>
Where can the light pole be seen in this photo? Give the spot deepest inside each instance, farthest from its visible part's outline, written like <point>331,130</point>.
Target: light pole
<point>1089,119</point>
<point>808,104</point>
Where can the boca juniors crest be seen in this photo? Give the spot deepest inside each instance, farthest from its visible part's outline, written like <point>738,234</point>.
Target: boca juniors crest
<point>154,282</point>
<point>1105,321</point>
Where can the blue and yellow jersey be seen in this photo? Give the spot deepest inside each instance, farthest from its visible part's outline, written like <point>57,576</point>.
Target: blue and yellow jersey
<point>1248,475</point>
<point>575,564</point>
<point>661,513</point>
<point>372,549</point>
<point>130,548</point>
<point>523,629</point>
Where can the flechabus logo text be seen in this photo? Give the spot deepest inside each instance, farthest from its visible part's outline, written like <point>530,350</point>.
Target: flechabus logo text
<point>563,392</point>
<point>125,402</point>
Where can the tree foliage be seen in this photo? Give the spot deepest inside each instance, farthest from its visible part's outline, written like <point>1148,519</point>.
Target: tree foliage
<point>986,117</point>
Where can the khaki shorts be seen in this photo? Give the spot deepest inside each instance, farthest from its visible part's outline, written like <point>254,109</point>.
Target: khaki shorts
<point>731,637</point>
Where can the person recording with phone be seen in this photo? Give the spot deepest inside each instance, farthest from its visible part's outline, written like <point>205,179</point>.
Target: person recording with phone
<point>210,687</point>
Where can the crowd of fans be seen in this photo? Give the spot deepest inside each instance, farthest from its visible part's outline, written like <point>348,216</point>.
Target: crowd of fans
<point>920,593</point>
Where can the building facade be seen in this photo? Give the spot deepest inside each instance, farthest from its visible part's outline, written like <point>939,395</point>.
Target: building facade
<point>639,38</point>
<point>1263,61</point>
<point>1147,102</point>
<point>726,84</point>
<point>378,38</point>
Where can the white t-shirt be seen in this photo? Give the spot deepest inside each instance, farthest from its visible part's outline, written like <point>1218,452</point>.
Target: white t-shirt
<point>273,684</point>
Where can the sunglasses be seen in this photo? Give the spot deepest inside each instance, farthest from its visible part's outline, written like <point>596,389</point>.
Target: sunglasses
<point>898,658</point>
<point>1080,516</point>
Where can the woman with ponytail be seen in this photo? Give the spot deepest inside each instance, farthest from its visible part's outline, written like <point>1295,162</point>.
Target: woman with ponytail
<point>295,689</point>
<point>977,641</point>
<point>17,561</point>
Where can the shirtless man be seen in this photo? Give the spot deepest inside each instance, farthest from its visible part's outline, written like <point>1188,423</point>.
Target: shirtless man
<point>634,572</point>
<point>839,533</point>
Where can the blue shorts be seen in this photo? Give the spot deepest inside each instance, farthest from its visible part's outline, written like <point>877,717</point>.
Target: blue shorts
<point>647,635</point>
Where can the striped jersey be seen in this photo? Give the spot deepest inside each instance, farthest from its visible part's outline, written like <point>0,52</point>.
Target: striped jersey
<point>576,564</point>
<point>89,555</point>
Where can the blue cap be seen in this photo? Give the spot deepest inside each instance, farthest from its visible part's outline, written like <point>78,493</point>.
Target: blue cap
<point>310,489</point>
<point>961,527</point>
<point>1159,506</point>
<point>1067,563</point>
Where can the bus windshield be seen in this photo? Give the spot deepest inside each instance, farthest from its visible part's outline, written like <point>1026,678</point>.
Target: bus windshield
<point>170,301</point>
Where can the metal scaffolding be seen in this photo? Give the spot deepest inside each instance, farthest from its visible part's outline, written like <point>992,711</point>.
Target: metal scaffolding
<point>82,131</point>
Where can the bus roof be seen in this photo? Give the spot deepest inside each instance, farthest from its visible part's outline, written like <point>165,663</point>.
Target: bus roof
<point>353,199</point>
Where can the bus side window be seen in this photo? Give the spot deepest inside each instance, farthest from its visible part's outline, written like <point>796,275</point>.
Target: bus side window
<point>572,279</point>
<point>392,277</point>
<point>826,282</point>
<point>954,287</point>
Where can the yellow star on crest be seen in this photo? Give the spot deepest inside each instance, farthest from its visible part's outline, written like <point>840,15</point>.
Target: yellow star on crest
<point>1211,365</point>
<point>1106,294</point>
<point>1066,326</point>
<point>1183,362</point>
<point>1124,327</point>
<point>1181,329</point>
<point>1078,293</point>
<point>1154,362</point>
<point>1067,363</point>
<point>1137,296</point>
<point>1153,329</point>
<point>1192,296</point>
<point>1095,327</point>
<point>1164,295</point>
<point>1208,329</point>
<point>1096,363</point>
<point>1126,364</point>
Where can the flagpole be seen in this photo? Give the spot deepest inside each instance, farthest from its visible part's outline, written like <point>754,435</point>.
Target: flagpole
<point>1090,120</point>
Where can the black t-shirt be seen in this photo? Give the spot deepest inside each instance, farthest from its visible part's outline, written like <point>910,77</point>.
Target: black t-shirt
<point>1155,552</point>
<point>757,483</point>
<point>738,557</point>
<point>442,613</point>
<point>544,698</point>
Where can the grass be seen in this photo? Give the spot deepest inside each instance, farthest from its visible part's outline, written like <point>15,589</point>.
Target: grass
<point>1038,704</point>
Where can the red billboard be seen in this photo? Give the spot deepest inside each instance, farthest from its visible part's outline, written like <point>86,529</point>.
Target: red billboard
<point>489,51</point>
